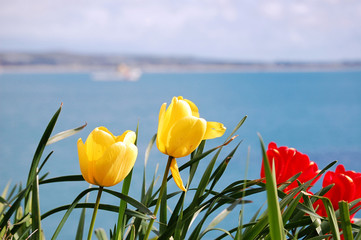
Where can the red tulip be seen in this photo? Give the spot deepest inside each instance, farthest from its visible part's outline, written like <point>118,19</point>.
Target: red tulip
<point>346,184</point>
<point>288,162</point>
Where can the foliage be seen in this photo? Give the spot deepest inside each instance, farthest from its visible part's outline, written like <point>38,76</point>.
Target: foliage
<point>197,213</point>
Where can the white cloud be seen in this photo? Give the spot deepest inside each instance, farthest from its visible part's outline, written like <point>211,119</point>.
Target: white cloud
<point>261,29</point>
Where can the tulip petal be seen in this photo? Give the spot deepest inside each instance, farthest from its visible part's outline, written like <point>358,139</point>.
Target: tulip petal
<point>121,137</point>
<point>176,175</point>
<point>116,164</point>
<point>127,137</point>
<point>107,167</point>
<point>193,107</point>
<point>214,130</point>
<point>85,165</point>
<point>178,109</point>
<point>127,162</point>
<point>104,129</point>
<point>97,142</point>
<point>161,134</point>
<point>185,136</point>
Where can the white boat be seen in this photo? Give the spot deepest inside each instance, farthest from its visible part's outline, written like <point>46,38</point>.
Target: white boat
<point>122,73</point>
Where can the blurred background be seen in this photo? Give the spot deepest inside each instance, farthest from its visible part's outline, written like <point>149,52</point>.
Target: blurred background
<point>238,30</point>
<point>293,67</point>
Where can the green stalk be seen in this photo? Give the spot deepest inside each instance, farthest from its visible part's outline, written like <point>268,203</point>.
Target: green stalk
<point>123,206</point>
<point>161,192</point>
<point>95,212</point>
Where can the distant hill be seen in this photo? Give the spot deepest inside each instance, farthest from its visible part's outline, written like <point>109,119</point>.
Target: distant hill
<point>63,61</point>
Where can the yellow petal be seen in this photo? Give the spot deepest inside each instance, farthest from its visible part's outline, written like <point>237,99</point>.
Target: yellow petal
<point>176,176</point>
<point>127,162</point>
<point>178,109</point>
<point>128,136</point>
<point>104,129</point>
<point>161,137</point>
<point>116,164</point>
<point>83,161</point>
<point>185,136</point>
<point>97,142</point>
<point>194,108</point>
<point>121,137</point>
<point>214,130</point>
<point>107,167</point>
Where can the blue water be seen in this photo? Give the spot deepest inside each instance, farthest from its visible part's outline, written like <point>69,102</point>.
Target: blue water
<point>318,113</point>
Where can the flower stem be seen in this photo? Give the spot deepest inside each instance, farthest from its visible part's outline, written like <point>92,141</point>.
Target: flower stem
<point>161,192</point>
<point>95,212</point>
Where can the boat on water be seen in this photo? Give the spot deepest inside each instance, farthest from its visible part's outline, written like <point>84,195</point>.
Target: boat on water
<point>122,73</point>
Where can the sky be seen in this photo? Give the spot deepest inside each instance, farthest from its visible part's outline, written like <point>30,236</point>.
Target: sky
<point>302,30</point>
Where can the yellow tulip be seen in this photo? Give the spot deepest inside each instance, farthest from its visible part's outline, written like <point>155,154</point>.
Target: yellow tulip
<point>181,130</point>
<point>105,159</point>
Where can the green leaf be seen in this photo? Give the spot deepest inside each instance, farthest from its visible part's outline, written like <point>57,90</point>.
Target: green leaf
<point>217,174</point>
<point>345,220</point>
<point>219,218</point>
<point>35,210</point>
<point>240,123</point>
<point>41,146</point>
<point>331,218</point>
<point>163,211</point>
<point>45,160</point>
<point>140,206</point>
<point>123,205</point>
<point>69,178</point>
<point>100,234</point>
<point>220,229</point>
<point>128,199</point>
<point>64,134</point>
<point>70,209</point>
<point>80,229</point>
<point>146,157</point>
<point>106,207</point>
<point>19,197</point>
<point>274,212</point>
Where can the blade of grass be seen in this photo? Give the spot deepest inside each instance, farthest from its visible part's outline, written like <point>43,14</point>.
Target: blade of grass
<point>35,210</point>
<point>69,178</point>
<point>345,220</point>
<point>240,223</point>
<point>195,204</point>
<point>274,212</point>
<point>100,234</point>
<point>106,207</point>
<point>163,211</point>
<point>80,229</point>
<point>146,157</point>
<point>331,218</point>
<point>140,206</point>
<point>240,123</point>
<point>19,197</point>
<point>123,204</point>
<point>70,209</point>
<point>41,146</point>
<point>222,215</point>
<point>64,134</point>
<point>217,174</point>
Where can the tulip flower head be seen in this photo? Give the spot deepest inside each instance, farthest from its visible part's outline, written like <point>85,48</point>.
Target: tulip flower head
<point>181,130</point>
<point>289,162</point>
<point>346,187</point>
<point>105,159</point>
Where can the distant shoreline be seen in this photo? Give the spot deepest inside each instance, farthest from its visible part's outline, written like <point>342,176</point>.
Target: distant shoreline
<point>175,69</point>
<point>67,62</point>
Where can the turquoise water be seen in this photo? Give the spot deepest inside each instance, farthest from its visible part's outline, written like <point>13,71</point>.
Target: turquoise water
<point>318,113</point>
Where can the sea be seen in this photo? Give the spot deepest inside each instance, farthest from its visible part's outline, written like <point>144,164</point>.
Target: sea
<point>316,112</point>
